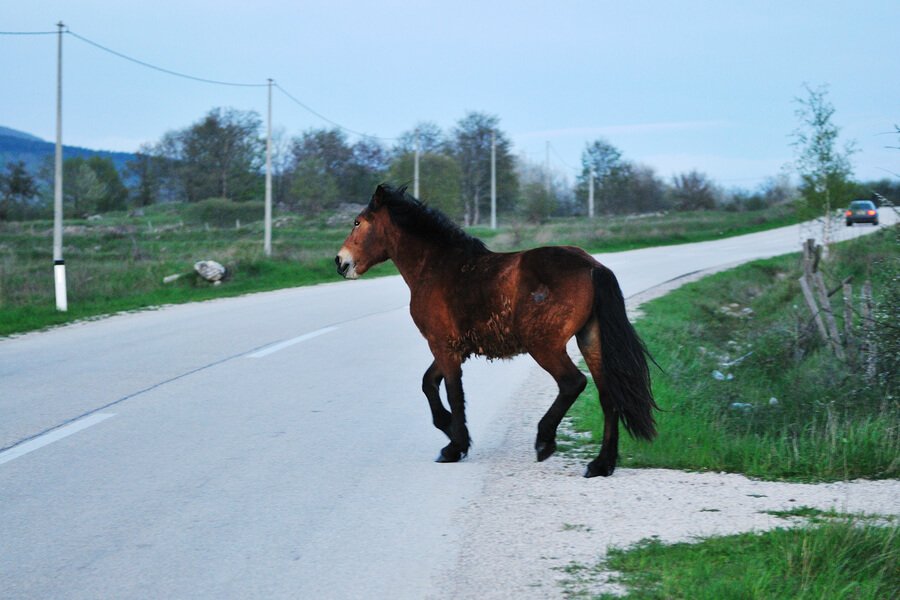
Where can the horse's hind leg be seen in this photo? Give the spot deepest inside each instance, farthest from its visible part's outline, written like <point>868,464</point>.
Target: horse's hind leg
<point>431,383</point>
<point>571,382</point>
<point>589,344</point>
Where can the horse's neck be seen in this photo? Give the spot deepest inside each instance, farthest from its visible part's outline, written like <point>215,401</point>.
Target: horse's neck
<point>416,258</point>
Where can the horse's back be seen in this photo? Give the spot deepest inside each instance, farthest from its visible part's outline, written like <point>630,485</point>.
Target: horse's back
<point>557,260</point>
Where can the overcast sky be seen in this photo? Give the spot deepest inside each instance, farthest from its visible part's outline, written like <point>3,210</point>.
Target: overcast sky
<point>675,85</point>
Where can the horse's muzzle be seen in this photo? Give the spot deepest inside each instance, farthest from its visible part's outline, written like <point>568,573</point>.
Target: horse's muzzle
<point>342,267</point>
<point>346,268</point>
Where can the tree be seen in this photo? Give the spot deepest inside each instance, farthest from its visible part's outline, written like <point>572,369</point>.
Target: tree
<point>17,189</point>
<point>693,191</point>
<point>605,161</point>
<point>537,204</point>
<point>641,190</point>
<point>281,165</point>
<point>824,169</point>
<point>92,185</point>
<point>431,140</point>
<point>219,156</point>
<point>367,167</point>
<point>116,196</point>
<point>312,187</point>
<point>472,150</point>
<point>147,173</point>
<point>83,190</point>
<point>539,191</point>
<point>328,145</point>
<point>777,190</point>
<point>351,171</point>
<point>439,180</point>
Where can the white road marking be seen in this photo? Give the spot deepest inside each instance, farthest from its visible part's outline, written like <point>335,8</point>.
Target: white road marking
<point>52,436</point>
<point>288,343</point>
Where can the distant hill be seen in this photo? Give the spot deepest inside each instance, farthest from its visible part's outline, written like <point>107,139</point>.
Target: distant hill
<point>7,132</point>
<point>33,151</point>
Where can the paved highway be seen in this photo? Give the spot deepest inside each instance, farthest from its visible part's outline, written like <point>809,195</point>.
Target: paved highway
<point>274,446</point>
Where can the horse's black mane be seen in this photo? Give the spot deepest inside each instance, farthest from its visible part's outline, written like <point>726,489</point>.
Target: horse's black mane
<point>419,219</point>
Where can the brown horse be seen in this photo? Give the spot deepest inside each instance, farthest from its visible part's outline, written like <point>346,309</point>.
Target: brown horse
<point>468,300</point>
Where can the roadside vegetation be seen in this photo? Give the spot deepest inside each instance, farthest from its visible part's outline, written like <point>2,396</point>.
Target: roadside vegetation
<point>118,261</point>
<point>747,385</point>
<point>843,556</point>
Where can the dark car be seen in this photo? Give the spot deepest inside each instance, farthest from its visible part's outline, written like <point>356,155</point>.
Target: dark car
<point>861,211</point>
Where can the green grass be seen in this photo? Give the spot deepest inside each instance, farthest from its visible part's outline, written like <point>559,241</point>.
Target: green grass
<point>614,234</point>
<point>841,558</point>
<point>815,515</point>
<point>827,422</point>
<point>118,263</point>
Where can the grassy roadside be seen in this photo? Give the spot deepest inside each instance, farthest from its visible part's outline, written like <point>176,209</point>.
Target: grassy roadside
<point>117,263</point>
<point>841,557</point>
<point>749,387</point>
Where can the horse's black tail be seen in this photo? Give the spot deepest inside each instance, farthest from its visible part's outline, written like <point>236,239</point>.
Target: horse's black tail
<point>626,376</point>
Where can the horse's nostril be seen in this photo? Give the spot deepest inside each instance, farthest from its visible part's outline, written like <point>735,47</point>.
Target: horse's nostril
<point>342,267</point>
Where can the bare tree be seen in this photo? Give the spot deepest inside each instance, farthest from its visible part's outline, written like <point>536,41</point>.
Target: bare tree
<point>472,150</point>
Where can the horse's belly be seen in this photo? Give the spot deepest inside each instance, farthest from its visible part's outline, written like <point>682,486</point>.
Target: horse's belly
<point>489,344</point>
<point>494,337</point>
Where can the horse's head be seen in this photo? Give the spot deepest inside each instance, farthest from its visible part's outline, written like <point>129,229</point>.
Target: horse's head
<point>368,242</point>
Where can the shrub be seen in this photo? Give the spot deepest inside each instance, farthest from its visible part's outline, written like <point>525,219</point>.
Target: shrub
<point>222,212</point>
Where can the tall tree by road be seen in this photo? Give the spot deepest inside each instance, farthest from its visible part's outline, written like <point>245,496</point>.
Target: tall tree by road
<point>472,149</point>
<point>605,160</point>
<point>824,168</point>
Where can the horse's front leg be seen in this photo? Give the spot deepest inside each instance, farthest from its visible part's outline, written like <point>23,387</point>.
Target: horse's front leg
<point>459,444</point>
<point>431,384</point>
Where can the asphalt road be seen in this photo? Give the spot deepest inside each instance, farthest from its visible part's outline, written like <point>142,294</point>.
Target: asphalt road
<point>275,445</point>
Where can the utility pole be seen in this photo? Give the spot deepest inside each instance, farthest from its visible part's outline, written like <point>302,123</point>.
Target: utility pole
<point>547,168</point>
<point>267,241</point>
<point>59,265</point>
<point>416,167</point>
<point>591,196</point>
<point>493,180</point>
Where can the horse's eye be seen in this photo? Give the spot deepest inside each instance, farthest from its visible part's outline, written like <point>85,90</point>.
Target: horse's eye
<point>356,223</point>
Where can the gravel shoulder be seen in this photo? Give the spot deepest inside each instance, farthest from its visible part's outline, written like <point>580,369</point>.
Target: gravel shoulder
<point>535,519</point>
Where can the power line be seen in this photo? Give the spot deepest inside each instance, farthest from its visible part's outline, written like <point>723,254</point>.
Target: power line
<point>560,159</point>
<point>29,32</point>
<point>161,69</point>
<point>326,119</point>
<point>206,80</point>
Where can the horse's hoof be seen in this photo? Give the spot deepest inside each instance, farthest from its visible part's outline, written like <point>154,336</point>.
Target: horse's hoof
<point>450,455</point>
<point>544,449</point>
<point>595,469</point>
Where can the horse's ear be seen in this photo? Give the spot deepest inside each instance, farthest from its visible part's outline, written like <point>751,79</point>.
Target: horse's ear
<point>378,197</point>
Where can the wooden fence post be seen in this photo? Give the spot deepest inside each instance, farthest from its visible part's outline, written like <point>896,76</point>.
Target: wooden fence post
<point>833,334</point>
<point>869,354</point>
<point>848,314</point>
<point>813,307</point>
<point>812,284</point>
